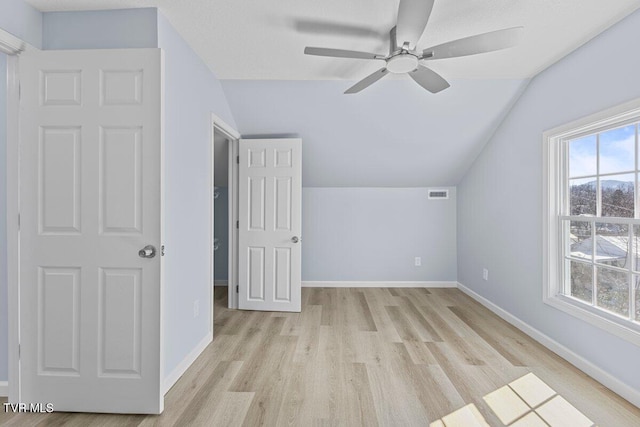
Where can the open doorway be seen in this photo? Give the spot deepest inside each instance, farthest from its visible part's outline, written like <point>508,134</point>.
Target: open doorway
<point>221,209</point>
<point>225,210</point>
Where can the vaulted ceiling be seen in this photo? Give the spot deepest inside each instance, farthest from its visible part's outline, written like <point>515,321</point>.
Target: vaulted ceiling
<point>256,40</point>
<point>394,133</point>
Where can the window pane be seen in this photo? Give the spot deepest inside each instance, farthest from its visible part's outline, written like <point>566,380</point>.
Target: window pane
<point>582,196</point>
<point>617,150</point>
<point>581,241</point>
<point>613,290</point>
<point>612,244</point>
<point>582,281</point>
<point>582,156</point>
<point>618,195</point>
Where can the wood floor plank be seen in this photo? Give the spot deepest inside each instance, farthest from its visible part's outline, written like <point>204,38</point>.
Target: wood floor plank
<point>364,312</point>
<point>489,338</point>
<point>202,405</point>
<point>269,382</point>
<point>293,402</point>
<point>437,397</point>
<point>358,357</point>
<point>377,299</point>
<point>261,364</point>
<point>361,412</point>
<point>307,344</point>
<point>419,352</point>
<point>252,337</point>
<point>329,307</point>
<point>328,391</point>
<point>394,292</point>
<point>419,321</point>
<point>231,411</point>
<point>395,402</point>
<point>404,327</point>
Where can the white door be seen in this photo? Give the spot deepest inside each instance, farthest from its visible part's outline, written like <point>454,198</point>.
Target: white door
<point>90,200</point>
<point>270,224</point>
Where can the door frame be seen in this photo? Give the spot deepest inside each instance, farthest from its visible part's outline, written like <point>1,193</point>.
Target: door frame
<point>233,136</point>
<point>13,46</point>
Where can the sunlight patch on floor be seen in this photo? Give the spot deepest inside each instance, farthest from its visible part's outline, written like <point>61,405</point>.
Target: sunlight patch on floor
<point>467,416</point>
<point>525,402</point>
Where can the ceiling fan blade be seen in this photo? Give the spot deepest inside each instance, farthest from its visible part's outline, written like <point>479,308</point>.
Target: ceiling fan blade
<point>367,81</point>
<point>413,16</point>
<point>341,53</point>
<point>429,79</point>
<point>481,43</point>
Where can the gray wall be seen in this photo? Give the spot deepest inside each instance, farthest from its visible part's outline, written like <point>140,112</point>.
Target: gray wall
<point>221,232</point>
<point>192,93</point>
<point>106,29</point>
<point>22,20</point>
<point>373,234</point>
<point>3,220</point>
<point>499,200</point>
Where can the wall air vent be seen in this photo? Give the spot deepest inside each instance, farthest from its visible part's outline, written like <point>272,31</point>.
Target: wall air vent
<point>438,194</point>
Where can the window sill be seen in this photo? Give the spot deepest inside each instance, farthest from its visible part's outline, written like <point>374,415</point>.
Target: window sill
<point>608,322</point>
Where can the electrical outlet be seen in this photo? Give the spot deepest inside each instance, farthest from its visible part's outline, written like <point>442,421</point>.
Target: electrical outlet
<point>418,261</point>
<point>485,274</point>
<point>196,308</point>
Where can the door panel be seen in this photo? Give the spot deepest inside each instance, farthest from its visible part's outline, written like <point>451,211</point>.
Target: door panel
<point>270,224</point>
<point>59,314</point>
<point>120,317</point>
<point>90,199</point>
<point>60,181</point>
<point>121,180</point>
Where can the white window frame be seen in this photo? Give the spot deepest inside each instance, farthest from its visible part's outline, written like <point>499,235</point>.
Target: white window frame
<point>555,163</point>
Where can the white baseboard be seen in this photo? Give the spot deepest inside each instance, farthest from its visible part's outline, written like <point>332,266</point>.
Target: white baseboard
<point>4,388</point>
<point>608,380</point>
<point>377,284</point>
<point>220,283</point>
<point>182,367</point>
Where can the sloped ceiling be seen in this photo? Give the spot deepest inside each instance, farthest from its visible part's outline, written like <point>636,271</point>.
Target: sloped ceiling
<point>393,134</point>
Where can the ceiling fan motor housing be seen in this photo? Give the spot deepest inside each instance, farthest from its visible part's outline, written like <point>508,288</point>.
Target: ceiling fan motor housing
<point>402,63</point>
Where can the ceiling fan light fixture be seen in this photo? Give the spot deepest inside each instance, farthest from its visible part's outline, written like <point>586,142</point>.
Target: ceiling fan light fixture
<point>404,57</point>
<point>403,63</point>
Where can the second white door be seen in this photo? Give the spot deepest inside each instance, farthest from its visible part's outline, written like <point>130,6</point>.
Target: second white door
<point>269,258</point>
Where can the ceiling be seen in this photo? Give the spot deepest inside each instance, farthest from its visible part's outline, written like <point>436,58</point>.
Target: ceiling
<point>256,40</point>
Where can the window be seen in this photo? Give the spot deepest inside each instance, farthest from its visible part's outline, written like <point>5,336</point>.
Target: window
<point>592,219</point>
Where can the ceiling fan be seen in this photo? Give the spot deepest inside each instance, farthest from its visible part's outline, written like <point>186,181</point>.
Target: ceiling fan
<point>405,57</point>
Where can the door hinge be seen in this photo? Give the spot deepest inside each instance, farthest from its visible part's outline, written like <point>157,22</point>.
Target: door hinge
<point>18,221</point>
<point>238,159</point>
<point>19,351</point>
<point>238,224</point>
<point>162,250</point>
<point>237,288</point>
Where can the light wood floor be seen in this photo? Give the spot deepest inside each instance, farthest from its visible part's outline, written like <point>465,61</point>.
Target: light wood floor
<point>393,357</point>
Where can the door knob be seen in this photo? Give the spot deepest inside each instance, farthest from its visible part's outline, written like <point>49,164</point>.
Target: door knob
<point>295,239</point>
<point>148,251</point>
